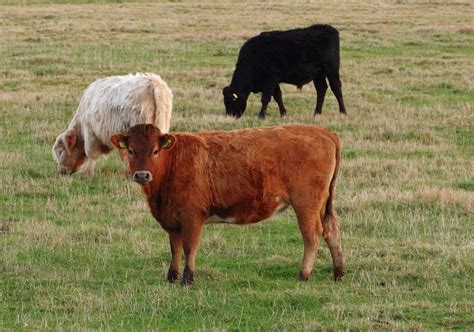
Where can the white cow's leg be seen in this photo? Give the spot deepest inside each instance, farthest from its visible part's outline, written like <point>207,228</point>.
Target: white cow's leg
<point>93,149</point>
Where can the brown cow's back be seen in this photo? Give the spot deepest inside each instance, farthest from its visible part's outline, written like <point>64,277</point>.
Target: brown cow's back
<point>253,173</point>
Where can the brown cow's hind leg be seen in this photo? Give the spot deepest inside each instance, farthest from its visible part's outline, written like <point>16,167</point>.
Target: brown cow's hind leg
<point>333,239</point>
<point>176,244</point>
<point>311,230</point>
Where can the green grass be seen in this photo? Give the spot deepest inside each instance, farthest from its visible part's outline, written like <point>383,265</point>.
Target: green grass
<point>79,253</point>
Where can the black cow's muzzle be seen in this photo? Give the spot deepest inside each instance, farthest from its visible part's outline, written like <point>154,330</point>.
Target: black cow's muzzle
<point>237,115</point>
<point>142,177</point>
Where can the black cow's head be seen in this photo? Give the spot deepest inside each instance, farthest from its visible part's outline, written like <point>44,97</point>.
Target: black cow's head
<point>235,102</point>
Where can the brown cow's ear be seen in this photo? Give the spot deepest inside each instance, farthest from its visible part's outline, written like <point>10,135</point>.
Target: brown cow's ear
<point>120,141</point>
<point>167,141</point>
<point>69,140</point>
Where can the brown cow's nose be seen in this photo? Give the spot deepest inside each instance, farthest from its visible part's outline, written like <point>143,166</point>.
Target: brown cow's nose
<point>142,177</point>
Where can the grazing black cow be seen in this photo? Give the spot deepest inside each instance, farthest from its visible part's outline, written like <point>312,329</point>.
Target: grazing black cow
<point>295,57</point>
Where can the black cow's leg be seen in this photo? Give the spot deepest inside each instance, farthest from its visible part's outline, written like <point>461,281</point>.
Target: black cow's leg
<point>267,93</point>
<point>321,88</point>
<point>279,100</point>
<point>336,87</point>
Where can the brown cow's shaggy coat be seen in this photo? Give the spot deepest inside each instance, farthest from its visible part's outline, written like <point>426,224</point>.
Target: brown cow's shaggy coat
<point>239,177</point>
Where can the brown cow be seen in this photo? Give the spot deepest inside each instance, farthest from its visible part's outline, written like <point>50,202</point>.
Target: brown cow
<point>237,177</point>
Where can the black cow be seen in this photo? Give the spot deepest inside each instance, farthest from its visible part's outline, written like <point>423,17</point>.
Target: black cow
<point>296,57</point>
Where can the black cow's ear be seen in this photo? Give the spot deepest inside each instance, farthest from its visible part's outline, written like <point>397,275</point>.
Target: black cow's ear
<point>120,141</point>
<point>226,90</point>
<point>167,141</point>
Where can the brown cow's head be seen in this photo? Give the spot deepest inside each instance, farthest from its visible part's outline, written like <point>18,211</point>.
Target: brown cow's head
<point>68,151</point>
<point>235,102</point>
<point>144,143</point>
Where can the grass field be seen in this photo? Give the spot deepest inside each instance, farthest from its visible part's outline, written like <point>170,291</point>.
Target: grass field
<point>80,253</point>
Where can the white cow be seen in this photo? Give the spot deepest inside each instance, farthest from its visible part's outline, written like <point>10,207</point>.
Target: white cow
<point>108,106</point>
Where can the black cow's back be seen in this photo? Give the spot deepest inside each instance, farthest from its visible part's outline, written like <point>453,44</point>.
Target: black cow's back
<point>294,55</point>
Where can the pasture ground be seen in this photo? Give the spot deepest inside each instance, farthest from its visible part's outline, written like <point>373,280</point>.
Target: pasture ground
<point>79,253</point>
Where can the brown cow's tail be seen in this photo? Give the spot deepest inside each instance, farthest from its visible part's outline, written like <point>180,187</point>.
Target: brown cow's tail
<point>329,211</point>
<point>330,225</point>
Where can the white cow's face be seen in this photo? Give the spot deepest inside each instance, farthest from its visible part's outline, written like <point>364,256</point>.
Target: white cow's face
<point>69,153</point>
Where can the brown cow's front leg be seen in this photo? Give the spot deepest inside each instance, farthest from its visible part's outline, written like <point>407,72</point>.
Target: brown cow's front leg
<point>176,244</point>
<point>191,232</point>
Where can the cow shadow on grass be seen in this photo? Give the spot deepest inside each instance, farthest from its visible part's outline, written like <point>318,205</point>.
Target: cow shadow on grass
<point>249,275</point>
<point>291,272</point>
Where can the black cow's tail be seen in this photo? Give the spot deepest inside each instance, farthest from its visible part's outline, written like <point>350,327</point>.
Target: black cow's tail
<point>337,50</point>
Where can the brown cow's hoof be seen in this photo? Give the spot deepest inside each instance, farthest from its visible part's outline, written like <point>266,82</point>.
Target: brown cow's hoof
<point>303,276</point>
<point>172,276</point>
<point>338,275</point>
<point>188,277</point>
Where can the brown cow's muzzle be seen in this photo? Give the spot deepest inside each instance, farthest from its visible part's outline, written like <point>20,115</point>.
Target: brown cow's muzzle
<point>142,177</point>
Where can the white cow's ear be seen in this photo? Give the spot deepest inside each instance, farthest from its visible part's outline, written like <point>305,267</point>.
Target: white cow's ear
<point>167,141</point>
<point>120,141</point>
<point>69,140</point>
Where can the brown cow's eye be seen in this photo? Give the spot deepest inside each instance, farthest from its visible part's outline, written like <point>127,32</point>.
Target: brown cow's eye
<point>155,152</point>
<point>130,152</point>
